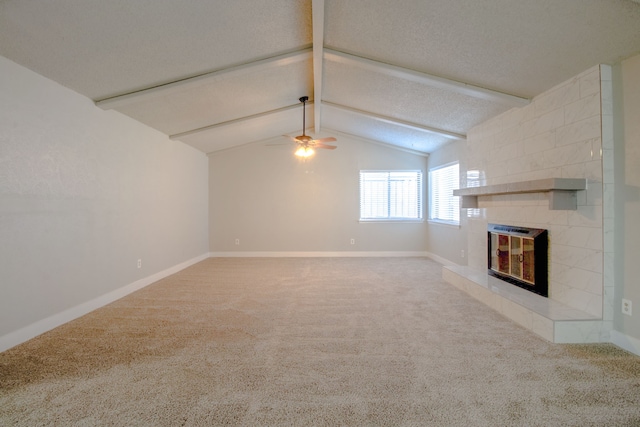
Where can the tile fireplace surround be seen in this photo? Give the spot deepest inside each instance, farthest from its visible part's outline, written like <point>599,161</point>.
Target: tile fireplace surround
<point>552,320</point>
<point>564,134</point>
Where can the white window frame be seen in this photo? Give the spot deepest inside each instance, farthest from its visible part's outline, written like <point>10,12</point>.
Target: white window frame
<point>371,194</point>
<point>444,207</point>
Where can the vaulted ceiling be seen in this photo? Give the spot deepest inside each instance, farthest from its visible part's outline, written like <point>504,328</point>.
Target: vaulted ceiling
<point>414,74</point>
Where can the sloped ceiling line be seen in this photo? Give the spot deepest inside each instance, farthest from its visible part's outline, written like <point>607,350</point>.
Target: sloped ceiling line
<point>179,85</point>
<point>115,56</point>
<point>424,78</point>
<point>177,136</point>
<point>317,10</point>
<point>390,120</point>
<point>370,140</point>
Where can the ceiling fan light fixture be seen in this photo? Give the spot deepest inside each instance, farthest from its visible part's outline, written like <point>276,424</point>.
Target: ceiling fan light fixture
<point>305,152</point>
<point>306,144</point>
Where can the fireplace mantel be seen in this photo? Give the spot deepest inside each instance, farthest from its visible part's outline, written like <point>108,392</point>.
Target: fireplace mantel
<point>562,191</point>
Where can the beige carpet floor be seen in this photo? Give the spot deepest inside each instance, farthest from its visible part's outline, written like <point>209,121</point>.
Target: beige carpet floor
<point>310,342</point>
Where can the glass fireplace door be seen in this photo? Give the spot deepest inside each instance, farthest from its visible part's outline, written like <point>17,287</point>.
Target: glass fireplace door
<point>528,261</point>
<point>500,255</point>
<point>516,256</point>
<point>519,255</point>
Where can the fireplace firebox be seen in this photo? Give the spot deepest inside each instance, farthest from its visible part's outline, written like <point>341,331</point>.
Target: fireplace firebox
<point>519,255</point>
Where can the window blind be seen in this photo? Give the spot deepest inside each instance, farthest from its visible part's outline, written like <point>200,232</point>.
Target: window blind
<point>443,205</point>
<point>390,195</point>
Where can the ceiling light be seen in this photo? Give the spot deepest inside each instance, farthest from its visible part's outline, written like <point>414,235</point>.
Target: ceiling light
<point>305,152</point>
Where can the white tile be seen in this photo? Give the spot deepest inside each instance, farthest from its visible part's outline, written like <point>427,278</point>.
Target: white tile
<point>515,116</point>
<point>595,306</point>
<point>478,226</point>
<point>582,130</point>
<point>594,193</point>
<point>607,132</point>
<point>590,83</point>
<point>609,268</point>
<point>607,166</point>
<point>508,152</point>
<point>584,108</point>
<point>606,72</point>
<point>596,149</point>
<point>542,215</point>
<point>593,171</point>
<point>581,237</point>
<point>581,300</point>
<point>579,279</point>
<point>573,170</point>
<point>606,99</point>
<point>608,304</point>
<point>560,134</point>
<point>586,216</point>
<point>549,121</point>
<point>537,143</point>
<point>543,327</point>
<point>584,258</point>
<point>578,332</point>
<point>518,314</point>
<point>577,152</point>
<point>557,97</point>
<point>528,199</point>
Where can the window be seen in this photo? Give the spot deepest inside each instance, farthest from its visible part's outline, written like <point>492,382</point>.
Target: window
<point>390,195</point>
<point>443,205</point>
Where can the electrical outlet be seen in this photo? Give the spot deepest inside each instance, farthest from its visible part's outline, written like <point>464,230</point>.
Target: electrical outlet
<point>462,253</point>
<point>139,263</point>
<point>237,241</point>
<point>627,307</point>
<point>353,241</point>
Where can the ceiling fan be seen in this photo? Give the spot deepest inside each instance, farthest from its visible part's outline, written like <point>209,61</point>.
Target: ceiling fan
<point>307,144</point>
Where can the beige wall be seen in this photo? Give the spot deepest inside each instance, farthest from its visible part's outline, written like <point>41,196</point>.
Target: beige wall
<point>627,196</point>
<point>273,202</point>
<point>84,194</point>
<point>447,242</point>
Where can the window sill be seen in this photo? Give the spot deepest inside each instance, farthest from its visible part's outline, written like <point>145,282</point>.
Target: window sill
<point>449,224</point>
<point>403,221</point>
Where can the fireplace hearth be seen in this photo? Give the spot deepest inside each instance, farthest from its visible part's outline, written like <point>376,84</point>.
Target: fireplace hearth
<point>519,255</point>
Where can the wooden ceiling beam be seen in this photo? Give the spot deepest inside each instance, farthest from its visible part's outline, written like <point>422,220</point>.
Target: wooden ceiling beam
<point>396,122</point>
<point>179,85</point>
<point>317,11</point>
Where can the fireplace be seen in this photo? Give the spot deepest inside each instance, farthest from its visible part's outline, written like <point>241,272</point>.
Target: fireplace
<point>519,255</point>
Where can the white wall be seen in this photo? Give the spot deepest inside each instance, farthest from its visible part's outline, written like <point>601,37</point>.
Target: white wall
<point>274,202</point>
<point>84,194</point>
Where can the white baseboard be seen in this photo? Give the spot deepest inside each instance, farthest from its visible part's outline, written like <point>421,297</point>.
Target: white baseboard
<point>626,342</point>
<point>317,254</point>
<point>28,332</point>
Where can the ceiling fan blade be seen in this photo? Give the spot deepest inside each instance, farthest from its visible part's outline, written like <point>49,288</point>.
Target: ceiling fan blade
<point>328,147</point>
<point>291,138</point>
<point>327,139</point>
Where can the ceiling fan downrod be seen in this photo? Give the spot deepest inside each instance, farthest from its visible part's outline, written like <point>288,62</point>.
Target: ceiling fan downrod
<point>304,100</point>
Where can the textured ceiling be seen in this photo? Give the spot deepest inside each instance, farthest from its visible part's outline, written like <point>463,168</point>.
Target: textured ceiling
<point>414,74</point>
